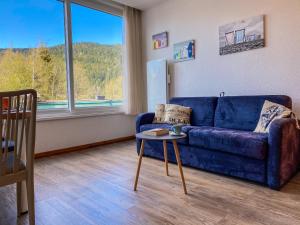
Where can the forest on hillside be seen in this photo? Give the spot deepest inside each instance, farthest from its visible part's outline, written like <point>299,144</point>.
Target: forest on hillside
<point>97,71</point>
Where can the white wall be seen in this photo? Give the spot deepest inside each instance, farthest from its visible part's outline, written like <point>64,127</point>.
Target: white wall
<point>57,134</point>
<point>274,69</point>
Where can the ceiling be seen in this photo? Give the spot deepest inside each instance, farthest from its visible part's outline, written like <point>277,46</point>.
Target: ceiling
<point>140,4</point>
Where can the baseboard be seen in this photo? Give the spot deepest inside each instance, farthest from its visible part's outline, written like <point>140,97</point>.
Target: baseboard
<point>81,147</point>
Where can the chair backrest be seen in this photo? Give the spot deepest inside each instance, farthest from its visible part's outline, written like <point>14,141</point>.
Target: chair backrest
<point>17,126</point>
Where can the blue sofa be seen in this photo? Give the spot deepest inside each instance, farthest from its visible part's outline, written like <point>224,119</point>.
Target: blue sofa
<point>220,139</point>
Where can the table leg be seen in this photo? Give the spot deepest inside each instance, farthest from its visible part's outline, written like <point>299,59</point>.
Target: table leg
<point>179,164</point>
<point>139,165</point>
<point>166,156</point>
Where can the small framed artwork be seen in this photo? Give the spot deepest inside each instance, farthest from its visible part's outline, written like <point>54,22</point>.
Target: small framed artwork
<point>160,40</point>
<point>184,51</point>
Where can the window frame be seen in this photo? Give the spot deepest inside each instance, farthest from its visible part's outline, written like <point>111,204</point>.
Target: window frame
<point>73,111</point>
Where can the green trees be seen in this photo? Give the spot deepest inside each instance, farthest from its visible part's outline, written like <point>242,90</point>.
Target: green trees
<point>97,71</point>
<point>14,71</point>
<point>48,74</point>
<point>95,67</point>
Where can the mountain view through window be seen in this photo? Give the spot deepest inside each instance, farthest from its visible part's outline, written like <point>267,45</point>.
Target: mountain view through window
<point>32,53</point>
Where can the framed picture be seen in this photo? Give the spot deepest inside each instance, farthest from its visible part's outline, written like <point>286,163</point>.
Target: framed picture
<point>242,35</point>
<point>160,40</point>
<point>184,51</point>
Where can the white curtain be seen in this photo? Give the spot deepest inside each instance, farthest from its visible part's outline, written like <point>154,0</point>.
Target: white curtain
<point>134,82</point>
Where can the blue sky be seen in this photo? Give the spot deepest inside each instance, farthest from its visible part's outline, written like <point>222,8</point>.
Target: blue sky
<point>28,23</point>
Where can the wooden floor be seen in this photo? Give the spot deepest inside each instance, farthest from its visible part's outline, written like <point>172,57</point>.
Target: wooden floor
<point>96,187</point>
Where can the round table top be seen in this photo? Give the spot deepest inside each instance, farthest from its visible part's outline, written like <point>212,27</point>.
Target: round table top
<point>160,138</point>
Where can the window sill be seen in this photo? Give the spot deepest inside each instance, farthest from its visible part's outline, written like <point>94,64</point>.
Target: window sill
<point>64,115</point>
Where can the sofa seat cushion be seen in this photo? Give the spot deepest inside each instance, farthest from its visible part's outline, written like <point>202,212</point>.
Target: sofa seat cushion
<point>245,143</point>
<point>185,129</point>
<point>150,126</point>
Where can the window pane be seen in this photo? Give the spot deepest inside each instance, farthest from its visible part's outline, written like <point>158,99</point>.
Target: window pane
<point>97,57</point>
<point>32,50</point>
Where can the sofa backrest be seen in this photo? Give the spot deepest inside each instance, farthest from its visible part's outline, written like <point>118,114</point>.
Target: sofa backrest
<point>243,112</point>
<point>203,109</point>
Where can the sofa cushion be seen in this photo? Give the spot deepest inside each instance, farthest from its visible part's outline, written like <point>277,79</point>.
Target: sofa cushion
<point>185,129</point>
<point>245,143</point>
<point>154,126</point>
<point>203,109</point>
<point>8,164</point>
<point>243,112</point>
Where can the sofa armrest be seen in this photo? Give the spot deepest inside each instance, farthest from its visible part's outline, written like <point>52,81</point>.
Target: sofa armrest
<point>284,152</point>
<point>143,118</point>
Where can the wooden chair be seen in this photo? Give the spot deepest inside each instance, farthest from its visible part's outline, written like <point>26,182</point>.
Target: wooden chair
<point>17,126</point>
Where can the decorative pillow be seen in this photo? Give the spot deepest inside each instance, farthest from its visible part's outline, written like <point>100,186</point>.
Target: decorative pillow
<point>271,111</point>
<point>177,114</point>
<point>159,114</point>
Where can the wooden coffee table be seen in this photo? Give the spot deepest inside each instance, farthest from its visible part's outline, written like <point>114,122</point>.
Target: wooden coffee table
<point>164,139</point>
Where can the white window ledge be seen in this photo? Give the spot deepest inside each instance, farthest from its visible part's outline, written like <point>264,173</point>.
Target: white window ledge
<point>65,114</point>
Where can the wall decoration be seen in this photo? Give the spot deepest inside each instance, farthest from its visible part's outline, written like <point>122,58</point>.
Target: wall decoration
<point>184,51</point>
<point>242,35</point>
<point>160,40</point>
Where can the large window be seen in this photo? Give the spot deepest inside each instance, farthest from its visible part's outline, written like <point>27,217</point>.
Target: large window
<point>32,50</point>
<point>97,49</point>
<point>70,52</point>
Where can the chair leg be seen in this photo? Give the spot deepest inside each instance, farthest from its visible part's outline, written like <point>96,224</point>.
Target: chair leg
<point>30,198</point>
<point>19,197</point>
